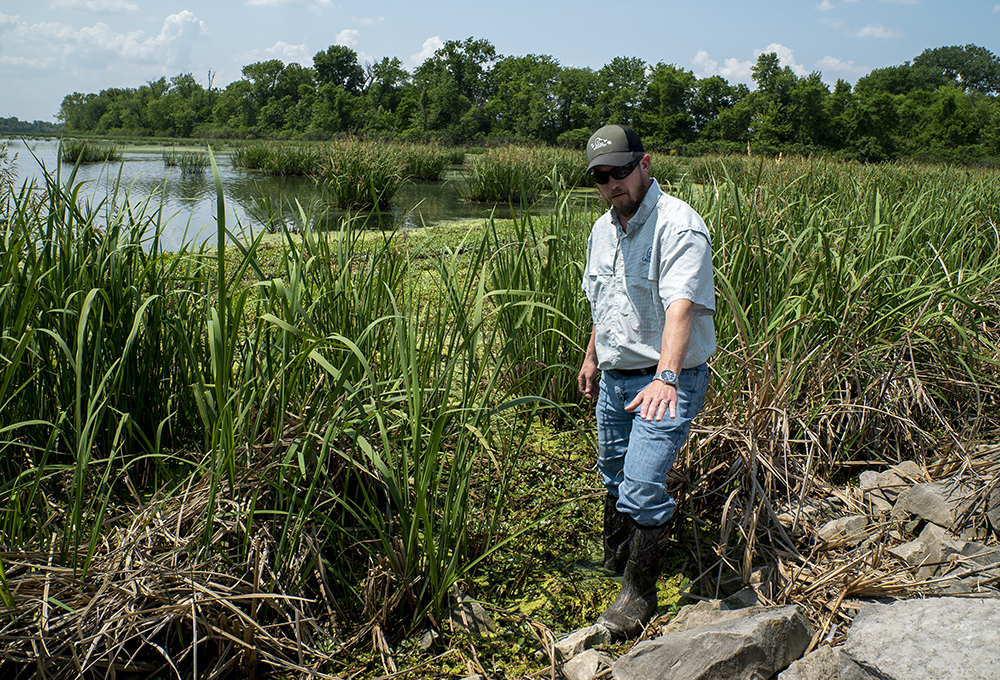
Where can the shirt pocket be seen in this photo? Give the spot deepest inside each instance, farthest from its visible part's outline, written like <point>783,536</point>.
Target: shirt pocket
<point>646,313</point>
<point>600,292</point>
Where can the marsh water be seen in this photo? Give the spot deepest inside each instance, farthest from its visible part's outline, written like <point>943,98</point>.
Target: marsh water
<point>253,201</point>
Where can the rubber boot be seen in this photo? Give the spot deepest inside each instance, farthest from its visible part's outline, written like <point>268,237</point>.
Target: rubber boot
<point>636,603</point>
<point>618,529</point>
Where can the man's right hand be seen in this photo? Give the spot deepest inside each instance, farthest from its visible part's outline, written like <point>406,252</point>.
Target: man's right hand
<point>589,380</point>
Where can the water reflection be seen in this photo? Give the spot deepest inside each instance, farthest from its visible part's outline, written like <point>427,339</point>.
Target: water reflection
<point>253,201</point>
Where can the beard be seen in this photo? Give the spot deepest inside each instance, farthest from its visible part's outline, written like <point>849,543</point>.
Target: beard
<point>626,203</point>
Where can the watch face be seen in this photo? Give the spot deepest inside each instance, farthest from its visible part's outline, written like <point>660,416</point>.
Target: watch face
<point>668,377</point>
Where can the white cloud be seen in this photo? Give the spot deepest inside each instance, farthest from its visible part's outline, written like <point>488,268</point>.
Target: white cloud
<point>832,23</point>
<point>876,31</point>
<point>996,9</point>
<point>24,62</point>
<point>290,53</point>
<point>786,57</point>
<point>311,4</point>
<point>825,6</point>
<point>99,46</point>
<point>108,6</point>
<point>369,21</point>
<point>430,46</point>
<point>732,68</point>
<point>834,67</point>
<point>903,2</point>
<point>347,38</point>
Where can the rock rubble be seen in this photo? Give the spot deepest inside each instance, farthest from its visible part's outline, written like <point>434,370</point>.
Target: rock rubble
<point>953,631</point>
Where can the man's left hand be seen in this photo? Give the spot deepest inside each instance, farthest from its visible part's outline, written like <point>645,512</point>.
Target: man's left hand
<point>655,400</point>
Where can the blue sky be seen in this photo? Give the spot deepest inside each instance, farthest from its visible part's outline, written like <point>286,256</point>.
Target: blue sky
<point>51,48</point>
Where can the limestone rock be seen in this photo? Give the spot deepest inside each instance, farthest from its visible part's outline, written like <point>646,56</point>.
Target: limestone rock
<point>850,529</point>
<point>935,502</point>
<point>586,665</point>
<point>578,641</point>
<point>467,614</point>
<point>954,638</point>
<point>993,510</point>
<point>826,663</point>
<point>754,643</point>
<point>709,611</point>
<point>914,553</point>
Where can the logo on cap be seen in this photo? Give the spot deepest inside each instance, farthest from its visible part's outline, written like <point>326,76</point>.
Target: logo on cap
<point>600,143</point>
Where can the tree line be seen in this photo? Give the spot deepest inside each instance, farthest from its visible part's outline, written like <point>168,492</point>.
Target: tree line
<point>13,126</point>
<point>942,105</point>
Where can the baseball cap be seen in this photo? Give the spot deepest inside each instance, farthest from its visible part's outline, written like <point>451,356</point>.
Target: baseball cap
<point>612,145</point>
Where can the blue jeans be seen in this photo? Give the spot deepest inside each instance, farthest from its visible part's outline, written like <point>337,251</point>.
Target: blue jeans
<point>634,455</point>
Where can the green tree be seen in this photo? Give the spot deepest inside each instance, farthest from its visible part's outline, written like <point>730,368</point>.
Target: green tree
<point>575,91</point>
<point>837,106</point>
<point>711,97</point>
<point>338,65</point>
<point>81,112</point>
<point>971,67</point>
<point>378,108</point>
<point>621,87</point>
<point>451,89</point>
<point>871,125</point>
<point>525,101</point>
<point>941,120</point>
<point>666,114</point>
<point>771,124</point>
<point>807,110</point>
<point>901,79</point>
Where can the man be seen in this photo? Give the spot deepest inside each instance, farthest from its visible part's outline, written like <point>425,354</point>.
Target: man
<point>652,296</point>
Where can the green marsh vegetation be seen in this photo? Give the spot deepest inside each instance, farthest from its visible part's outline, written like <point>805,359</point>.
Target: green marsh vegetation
<point>357,174</point>
<point>87,151</point>
<point>190,162</point>
<point>292,451</point>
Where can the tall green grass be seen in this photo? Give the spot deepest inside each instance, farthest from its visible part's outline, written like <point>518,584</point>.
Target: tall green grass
<point>360,405</point>
<point>358,399</point>
<point>82,151</point>
<point>190,162</point>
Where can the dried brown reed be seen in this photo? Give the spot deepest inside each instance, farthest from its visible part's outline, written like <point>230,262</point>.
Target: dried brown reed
<point>153,604</point>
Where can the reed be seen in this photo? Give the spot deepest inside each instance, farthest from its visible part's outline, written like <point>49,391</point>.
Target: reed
<point>424,162</point>
<point>190,162</point>
<point>506,175</point>
<point>362,175</point>
<point>279,158</point>
<point>336,422</point>
<point>80,151</point>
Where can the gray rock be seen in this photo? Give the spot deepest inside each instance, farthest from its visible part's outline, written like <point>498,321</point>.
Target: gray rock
<point>850,529</point>
<point>993,509</point>
<point>429,641</point>
<point>586,665</point>
<point>708,612</point>
<point>909,470</point>
<point>954,638</point>
<point>881,489</point>
<point>914,553</point>
<point>576,642</point>
<point>755,643</point>
<point>467,614</point>
<point>741,600</point>
<point>935,502</point>
<point>825,663</point>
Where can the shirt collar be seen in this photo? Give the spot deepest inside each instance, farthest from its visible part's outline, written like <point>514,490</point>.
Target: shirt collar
<point>642,212</point>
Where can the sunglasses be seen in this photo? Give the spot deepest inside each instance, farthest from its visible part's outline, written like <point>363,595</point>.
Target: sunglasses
<point>619,173</point>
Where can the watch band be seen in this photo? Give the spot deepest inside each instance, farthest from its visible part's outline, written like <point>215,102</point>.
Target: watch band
<point>668,377</point>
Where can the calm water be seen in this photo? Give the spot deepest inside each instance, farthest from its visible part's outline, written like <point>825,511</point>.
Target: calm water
<point>189,200</point>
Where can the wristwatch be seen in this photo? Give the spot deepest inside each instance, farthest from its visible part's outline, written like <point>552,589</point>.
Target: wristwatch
<point>668,377</point>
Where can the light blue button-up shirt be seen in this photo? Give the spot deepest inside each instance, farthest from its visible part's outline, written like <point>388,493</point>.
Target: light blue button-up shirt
<point>632,277</point>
